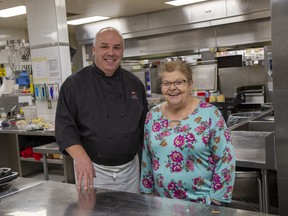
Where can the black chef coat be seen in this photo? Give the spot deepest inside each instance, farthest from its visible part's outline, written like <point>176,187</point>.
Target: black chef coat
<point>104,114</point>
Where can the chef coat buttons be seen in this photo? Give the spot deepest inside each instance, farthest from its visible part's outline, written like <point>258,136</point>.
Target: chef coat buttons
<point>123,114</point>
<point>110,137</point>
<point>107,116</point>
<point>119,95</point>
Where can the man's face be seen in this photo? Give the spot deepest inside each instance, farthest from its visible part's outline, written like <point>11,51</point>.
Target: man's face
<point>108,51</point>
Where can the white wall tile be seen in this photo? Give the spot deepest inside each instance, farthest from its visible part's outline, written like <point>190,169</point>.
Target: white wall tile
<point>47,25</point>
<point>54,106</point>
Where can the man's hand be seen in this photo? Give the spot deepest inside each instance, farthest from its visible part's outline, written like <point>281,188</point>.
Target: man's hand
<point>84,173</point>
<point>83,166</point>
<point>87,198</point>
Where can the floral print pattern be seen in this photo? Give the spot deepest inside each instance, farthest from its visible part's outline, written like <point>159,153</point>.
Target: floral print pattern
<point>193,161</point>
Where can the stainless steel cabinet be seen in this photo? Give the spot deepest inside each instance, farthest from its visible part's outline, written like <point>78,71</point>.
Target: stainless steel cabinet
<point>241,7</point>
<point>209,10</point>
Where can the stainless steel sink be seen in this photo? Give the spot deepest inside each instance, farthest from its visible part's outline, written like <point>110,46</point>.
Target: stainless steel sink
<point>265,116</point>
<point>255,149</point>
<point>254,143</point>
<point>256,126</point>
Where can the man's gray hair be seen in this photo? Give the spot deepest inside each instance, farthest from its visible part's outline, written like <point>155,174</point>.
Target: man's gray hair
<point>108,29</point>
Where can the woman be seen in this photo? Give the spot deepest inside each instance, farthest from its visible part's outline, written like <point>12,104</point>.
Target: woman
<point>187,151</point>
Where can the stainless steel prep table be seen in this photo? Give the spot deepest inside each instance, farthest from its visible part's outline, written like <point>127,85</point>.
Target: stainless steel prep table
<point>54,198</point>
<point>13,130</point>
<point>10,141</point>
<point>67,161</point>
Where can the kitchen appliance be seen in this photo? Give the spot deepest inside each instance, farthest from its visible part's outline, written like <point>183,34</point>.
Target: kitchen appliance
<point>8,101</point>
<point>251,94</point>
<point>6,176</point>
<point>204,77</point>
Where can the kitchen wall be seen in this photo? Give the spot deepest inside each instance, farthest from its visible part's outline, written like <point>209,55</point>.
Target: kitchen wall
<point>208,24</point>
<point>191,29</point>
<point>188,29</point>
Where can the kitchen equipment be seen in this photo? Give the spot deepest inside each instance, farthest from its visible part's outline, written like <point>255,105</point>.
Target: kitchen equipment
<point>240,97</point>
<point>4,172</point>
<point>221,98</point>
<point>29,113</point>
<point>6,176</point>
<point>236,118</point>
<point>8,101</point>
<point>205,77</point>
<point>251,94</point>
<point>21,124</point>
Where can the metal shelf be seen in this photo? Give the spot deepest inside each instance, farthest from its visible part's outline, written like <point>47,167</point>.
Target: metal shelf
<point>51,161</point>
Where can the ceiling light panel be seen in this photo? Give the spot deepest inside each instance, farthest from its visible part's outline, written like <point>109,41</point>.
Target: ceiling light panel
<point>86,20</point>
<point>183,2</point>
<point>14,11</point>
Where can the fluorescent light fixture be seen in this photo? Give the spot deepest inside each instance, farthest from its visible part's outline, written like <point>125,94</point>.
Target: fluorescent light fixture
<point>14,11</point>
<point>86,20</point>
<point>183,2</point>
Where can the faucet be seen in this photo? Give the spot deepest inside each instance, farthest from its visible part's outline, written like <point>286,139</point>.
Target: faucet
<point>10,114</point>
<point>12,109</point>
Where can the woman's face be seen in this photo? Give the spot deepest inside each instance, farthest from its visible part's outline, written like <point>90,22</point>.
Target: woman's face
<point>176,88</point>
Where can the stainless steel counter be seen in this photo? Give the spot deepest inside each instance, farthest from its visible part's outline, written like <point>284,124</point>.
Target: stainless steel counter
<point>254,143</point>
<point>17,185</point>
<point>13,130</point>
<point>53,198</point>
<point>252,154</point>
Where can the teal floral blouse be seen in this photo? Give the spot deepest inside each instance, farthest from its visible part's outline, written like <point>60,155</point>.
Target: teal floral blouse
<point>192,161</point>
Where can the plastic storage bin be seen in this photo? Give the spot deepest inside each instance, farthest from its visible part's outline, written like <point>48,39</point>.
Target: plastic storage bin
<point>29,113</point>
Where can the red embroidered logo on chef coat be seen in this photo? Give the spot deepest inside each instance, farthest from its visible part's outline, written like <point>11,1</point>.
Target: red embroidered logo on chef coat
<point>133,95</point>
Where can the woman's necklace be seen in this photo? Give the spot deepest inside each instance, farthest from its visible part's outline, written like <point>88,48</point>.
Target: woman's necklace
<point>174,122</point>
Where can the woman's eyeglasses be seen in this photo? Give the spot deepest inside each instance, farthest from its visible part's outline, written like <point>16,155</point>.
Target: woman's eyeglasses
<point>177,84</point>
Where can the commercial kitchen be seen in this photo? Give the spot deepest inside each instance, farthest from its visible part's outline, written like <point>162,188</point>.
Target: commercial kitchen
<point>236,49</point>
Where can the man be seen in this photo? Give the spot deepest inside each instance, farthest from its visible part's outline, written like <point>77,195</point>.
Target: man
<point>100,117</point>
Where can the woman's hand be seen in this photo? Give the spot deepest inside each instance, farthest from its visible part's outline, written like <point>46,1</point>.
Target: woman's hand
<point>216,202</point>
